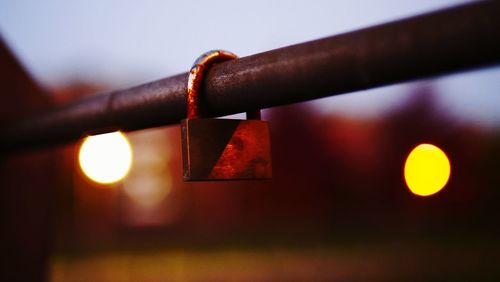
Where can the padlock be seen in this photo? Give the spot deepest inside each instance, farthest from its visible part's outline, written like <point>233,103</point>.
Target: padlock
<point>221,149</point>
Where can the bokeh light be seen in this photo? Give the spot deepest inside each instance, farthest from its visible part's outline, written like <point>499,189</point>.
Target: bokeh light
<point>427,170</point>
<point>151,180</point>
<point>106,158</point>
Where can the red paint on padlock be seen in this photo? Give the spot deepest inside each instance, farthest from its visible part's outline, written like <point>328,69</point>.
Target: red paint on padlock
<point>222,149</point>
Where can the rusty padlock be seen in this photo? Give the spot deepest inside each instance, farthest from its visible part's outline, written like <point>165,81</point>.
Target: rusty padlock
<point>221,149</point>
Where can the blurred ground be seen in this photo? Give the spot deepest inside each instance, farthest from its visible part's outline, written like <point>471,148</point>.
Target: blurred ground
<point>395,260</point>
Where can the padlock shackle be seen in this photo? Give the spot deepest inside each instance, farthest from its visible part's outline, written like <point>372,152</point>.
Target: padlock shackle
<point>195,80</point>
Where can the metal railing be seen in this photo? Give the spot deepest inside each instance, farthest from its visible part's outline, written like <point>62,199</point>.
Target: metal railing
<point>450,40</point>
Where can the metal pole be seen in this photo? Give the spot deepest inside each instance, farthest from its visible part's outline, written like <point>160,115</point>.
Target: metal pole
<point>446,41</point>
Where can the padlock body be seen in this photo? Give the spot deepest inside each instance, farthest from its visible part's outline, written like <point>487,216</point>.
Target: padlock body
<point>225,149</point>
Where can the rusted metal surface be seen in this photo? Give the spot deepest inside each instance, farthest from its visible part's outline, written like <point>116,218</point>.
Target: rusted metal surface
<point>196,75</point>
<point>224,149</point>
<point>221,149</point>
<point>446,41</point>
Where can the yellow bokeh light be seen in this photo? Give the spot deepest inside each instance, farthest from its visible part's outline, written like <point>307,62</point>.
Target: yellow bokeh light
<point>427,170</point>
<point>105,158</point>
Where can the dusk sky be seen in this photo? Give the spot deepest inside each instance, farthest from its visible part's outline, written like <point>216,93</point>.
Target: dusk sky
<point>121,43</point>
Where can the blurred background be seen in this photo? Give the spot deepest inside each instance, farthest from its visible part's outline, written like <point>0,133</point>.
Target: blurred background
<point>337,207</point>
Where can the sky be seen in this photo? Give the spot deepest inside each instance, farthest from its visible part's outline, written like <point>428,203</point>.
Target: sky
<point>123,43</point>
